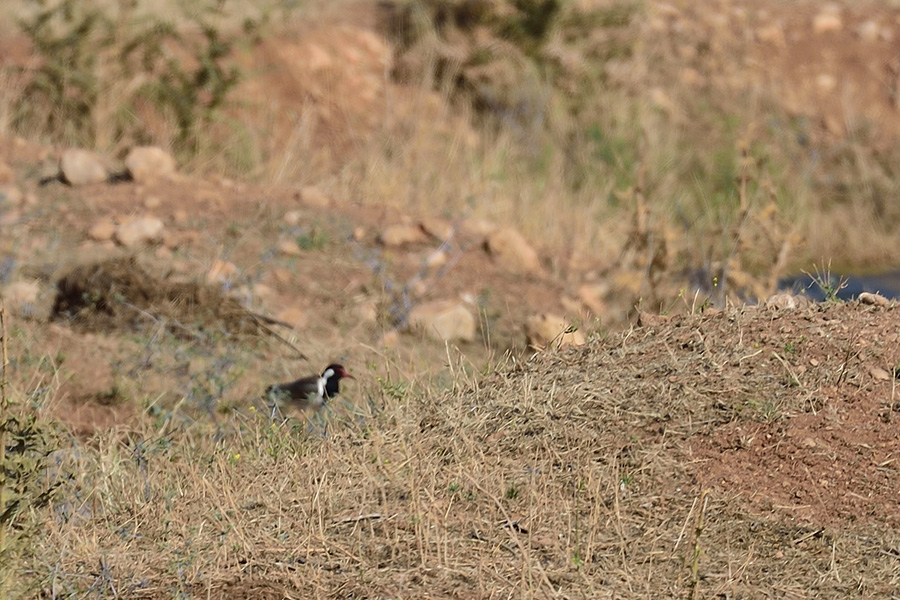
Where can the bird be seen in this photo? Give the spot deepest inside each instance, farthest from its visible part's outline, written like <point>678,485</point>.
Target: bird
<point>309,392</point>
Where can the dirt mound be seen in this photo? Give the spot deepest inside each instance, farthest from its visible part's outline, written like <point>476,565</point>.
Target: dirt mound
<point>796,412</point>
<point>119,294</point>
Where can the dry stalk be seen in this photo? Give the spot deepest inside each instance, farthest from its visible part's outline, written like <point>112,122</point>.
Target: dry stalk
<point>4,410</point>
<point>698,550</point>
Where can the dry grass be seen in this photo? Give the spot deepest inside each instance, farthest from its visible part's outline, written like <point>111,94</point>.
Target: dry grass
<point>570,475</point>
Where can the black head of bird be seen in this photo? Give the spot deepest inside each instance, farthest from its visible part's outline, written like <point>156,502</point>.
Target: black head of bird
<point>312,391</point>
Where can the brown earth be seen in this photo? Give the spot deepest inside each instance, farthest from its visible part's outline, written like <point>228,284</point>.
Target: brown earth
<point>791,418</point>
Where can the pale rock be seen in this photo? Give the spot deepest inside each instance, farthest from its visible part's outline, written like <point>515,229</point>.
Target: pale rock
<point>163,253</point>
<point>142,230</point>
<point>102,231</point>
<point>365,311</point>
<point>772,34</point>
<point>149,163</point>
<point>444,320</point>
<point>262,292</point>
<point>152,202</point>
<point>396,236</point>
<point>512,252</point>
<point>828,20</point>
<point>873,299</point>
<point>7,175</point>
<point>593,296</point>
<point>82,167</point>
<point>293,316</point>
<point>11,195</point>
<point>435,260</point>
<point>221,272</point>
<point>282,275</point>
<point>868,31</point>
<point>20,297</point>
<point>544,330</point>
<point>879,374</point>
<point>786,302</point>
<point>293,218</point>
<point>314,197</point>
<point>826,82</point>
<point>437,227</point>
<point>389,339</point>
<point>477,228</point>
<point>289,248</point>
<point>359,233</point>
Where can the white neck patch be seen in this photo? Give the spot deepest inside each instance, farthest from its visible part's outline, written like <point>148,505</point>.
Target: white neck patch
<point>320,384</point>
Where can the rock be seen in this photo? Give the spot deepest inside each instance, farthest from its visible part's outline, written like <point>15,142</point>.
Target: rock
<point>142,230</point>
<point>477,228</point>
<point>389,339</point>
<point>551,330</point>
<point>20,297</point>
<point>435,260</point>
<point>293,217</point>
<point>772,34</point>
<point>289,248</point>
<point>102,231</point>
<point>81,167</point>
<point>221,272</point>
<point>828,20</point>
<point>593,296</point>
<point>152,202</point>
<point>873,299</point>
<point>438,228</point>
<point>511,252</point>
<point>401,235</point>
<point>365,311</point>
<point>313,196</point>
<point>786,302</point>
<point>293,316</point>
<point>7,175</point>
<point>10,195</point>
<point>868,31</point>
<point>359,233</point>
<point>879,374</point>
<point>149,163</point>
<point>444,320</point>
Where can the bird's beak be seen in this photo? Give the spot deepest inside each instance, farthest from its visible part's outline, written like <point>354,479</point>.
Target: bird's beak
<point>347,374</point>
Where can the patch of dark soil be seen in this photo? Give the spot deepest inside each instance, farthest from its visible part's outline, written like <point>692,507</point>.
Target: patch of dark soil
<point>118,294</point>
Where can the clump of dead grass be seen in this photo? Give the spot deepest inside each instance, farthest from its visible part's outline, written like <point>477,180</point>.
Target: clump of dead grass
<point>119,294</point>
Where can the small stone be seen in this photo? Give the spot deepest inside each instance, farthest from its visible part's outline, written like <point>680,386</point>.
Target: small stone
<point>436,227</point>
<point>593,296</point>
<point>389,339</point>
<point>102,231</point>
<point>366,311</point>
<point>359,233</point>
<point>10,195</point>
<point>786,301</point>
<point>808,442</point>
<point>879,374</point>
<point>828,20</point>
<point>444,320</point>
<point>436,260</point>
<point>282,275</point>
<point>7,175</point>
<point>181,216</point>
<point>20,297</point>
<point>293,316</point>
<point>152,202</point>
<point>81,167</point>
<point>868,31</point>
<point>149,163</point>
<point>826,82</point>
<point>873,299</point>
<point>293,217</point>
<point>289,248</point>
<point>772,34</point>
<point>512,252</point>
<point>142,230</point>
<point>545,330</point>
<point>163,253</point>
<point>396,236</point>
<point>314,197</point>
<point>221,272</point>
